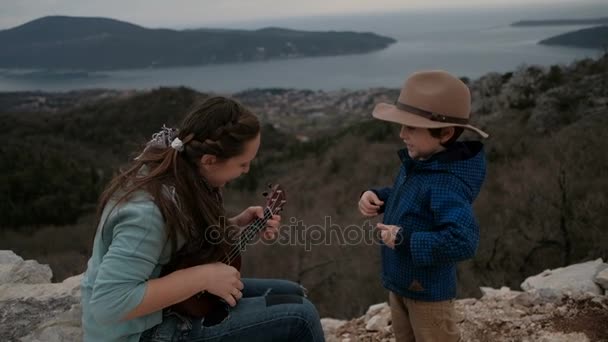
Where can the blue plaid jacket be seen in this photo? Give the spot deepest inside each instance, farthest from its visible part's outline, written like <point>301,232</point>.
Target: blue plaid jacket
<point>431,201</point>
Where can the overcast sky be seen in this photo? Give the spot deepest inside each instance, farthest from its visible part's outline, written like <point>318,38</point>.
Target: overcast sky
<point>200,13</point>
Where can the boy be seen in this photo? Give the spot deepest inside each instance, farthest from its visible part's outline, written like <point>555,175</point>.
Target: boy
<point>428,223</point>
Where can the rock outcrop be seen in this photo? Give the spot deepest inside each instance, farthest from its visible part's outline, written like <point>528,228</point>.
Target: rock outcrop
<point>32,308</point>
<point>565,304</point>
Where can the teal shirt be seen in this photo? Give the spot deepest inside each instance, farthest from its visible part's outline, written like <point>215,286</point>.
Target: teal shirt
<point>131,250</point>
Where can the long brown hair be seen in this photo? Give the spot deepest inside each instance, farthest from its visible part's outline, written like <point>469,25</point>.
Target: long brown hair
<point>217,126</point>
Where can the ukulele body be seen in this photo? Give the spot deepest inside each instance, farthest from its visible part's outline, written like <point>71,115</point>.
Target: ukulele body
<point>203,303</point>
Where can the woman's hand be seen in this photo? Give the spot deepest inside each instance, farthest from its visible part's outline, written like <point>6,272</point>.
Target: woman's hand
<point>221,280</point>
<point>250,214</point>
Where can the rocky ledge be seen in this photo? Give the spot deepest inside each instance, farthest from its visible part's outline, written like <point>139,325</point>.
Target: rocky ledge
<point>565,304</point>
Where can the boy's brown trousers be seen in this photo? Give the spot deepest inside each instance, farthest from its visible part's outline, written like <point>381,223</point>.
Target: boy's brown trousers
<point>419,321</point>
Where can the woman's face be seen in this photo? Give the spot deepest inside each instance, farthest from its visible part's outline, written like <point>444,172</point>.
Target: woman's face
<point>218,172</point>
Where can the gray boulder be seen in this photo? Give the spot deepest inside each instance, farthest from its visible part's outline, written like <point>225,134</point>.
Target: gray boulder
<point>25,272</point>
<point>9,257</point>
<point>602,279</point>
<point>34,309</point>
<point>576,279</point>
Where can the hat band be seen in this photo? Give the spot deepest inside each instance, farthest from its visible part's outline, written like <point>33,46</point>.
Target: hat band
<point>430,115</point>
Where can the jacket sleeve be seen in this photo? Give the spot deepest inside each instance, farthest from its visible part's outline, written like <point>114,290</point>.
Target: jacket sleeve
<point>138,238</point>
<point>456,233</point>
<point>382,193</point>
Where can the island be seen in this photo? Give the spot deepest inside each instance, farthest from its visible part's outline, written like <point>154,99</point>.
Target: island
<point>593,38</point>
<point>94,44</point>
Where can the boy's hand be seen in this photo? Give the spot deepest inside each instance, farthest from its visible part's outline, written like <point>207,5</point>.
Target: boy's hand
<point>388,234</point>
<point>369,204</point>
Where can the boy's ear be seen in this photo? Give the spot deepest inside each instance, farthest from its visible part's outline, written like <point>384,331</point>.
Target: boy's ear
<point>208,159</point>
<point>446,134</point>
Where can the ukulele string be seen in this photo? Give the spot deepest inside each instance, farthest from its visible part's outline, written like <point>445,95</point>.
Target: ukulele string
<point>250,232</point>
<point>237,248</point>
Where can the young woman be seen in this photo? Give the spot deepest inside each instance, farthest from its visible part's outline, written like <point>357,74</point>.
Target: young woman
<point>169,201</point>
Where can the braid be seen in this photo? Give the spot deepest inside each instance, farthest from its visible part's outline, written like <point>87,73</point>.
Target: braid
<point>213,144</point>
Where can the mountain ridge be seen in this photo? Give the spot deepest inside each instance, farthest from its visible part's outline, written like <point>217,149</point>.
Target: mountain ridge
<point>594,37</point>
<point>96,43</point>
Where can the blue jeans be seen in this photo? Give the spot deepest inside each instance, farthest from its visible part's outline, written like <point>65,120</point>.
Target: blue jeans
<point>270,310</point>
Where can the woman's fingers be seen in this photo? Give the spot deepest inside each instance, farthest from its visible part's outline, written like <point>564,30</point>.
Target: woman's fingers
<point>234,295</point>
<point>274,222</point>
<point>237,294</point>
<point>272,227</point>
<point>229,298</point>
<point>257,211</point>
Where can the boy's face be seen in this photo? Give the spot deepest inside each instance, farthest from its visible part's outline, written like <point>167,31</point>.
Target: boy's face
<point>420,143</point>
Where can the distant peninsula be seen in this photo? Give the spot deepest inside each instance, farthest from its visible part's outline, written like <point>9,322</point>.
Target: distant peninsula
<point>94,44</point>
<point>594,38</point>
<point>562,22</point>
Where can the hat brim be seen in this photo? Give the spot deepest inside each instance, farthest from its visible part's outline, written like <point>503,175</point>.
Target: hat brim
<point>388,112</point>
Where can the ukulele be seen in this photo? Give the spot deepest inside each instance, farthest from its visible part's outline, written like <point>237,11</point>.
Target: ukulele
<point>205,304</point>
